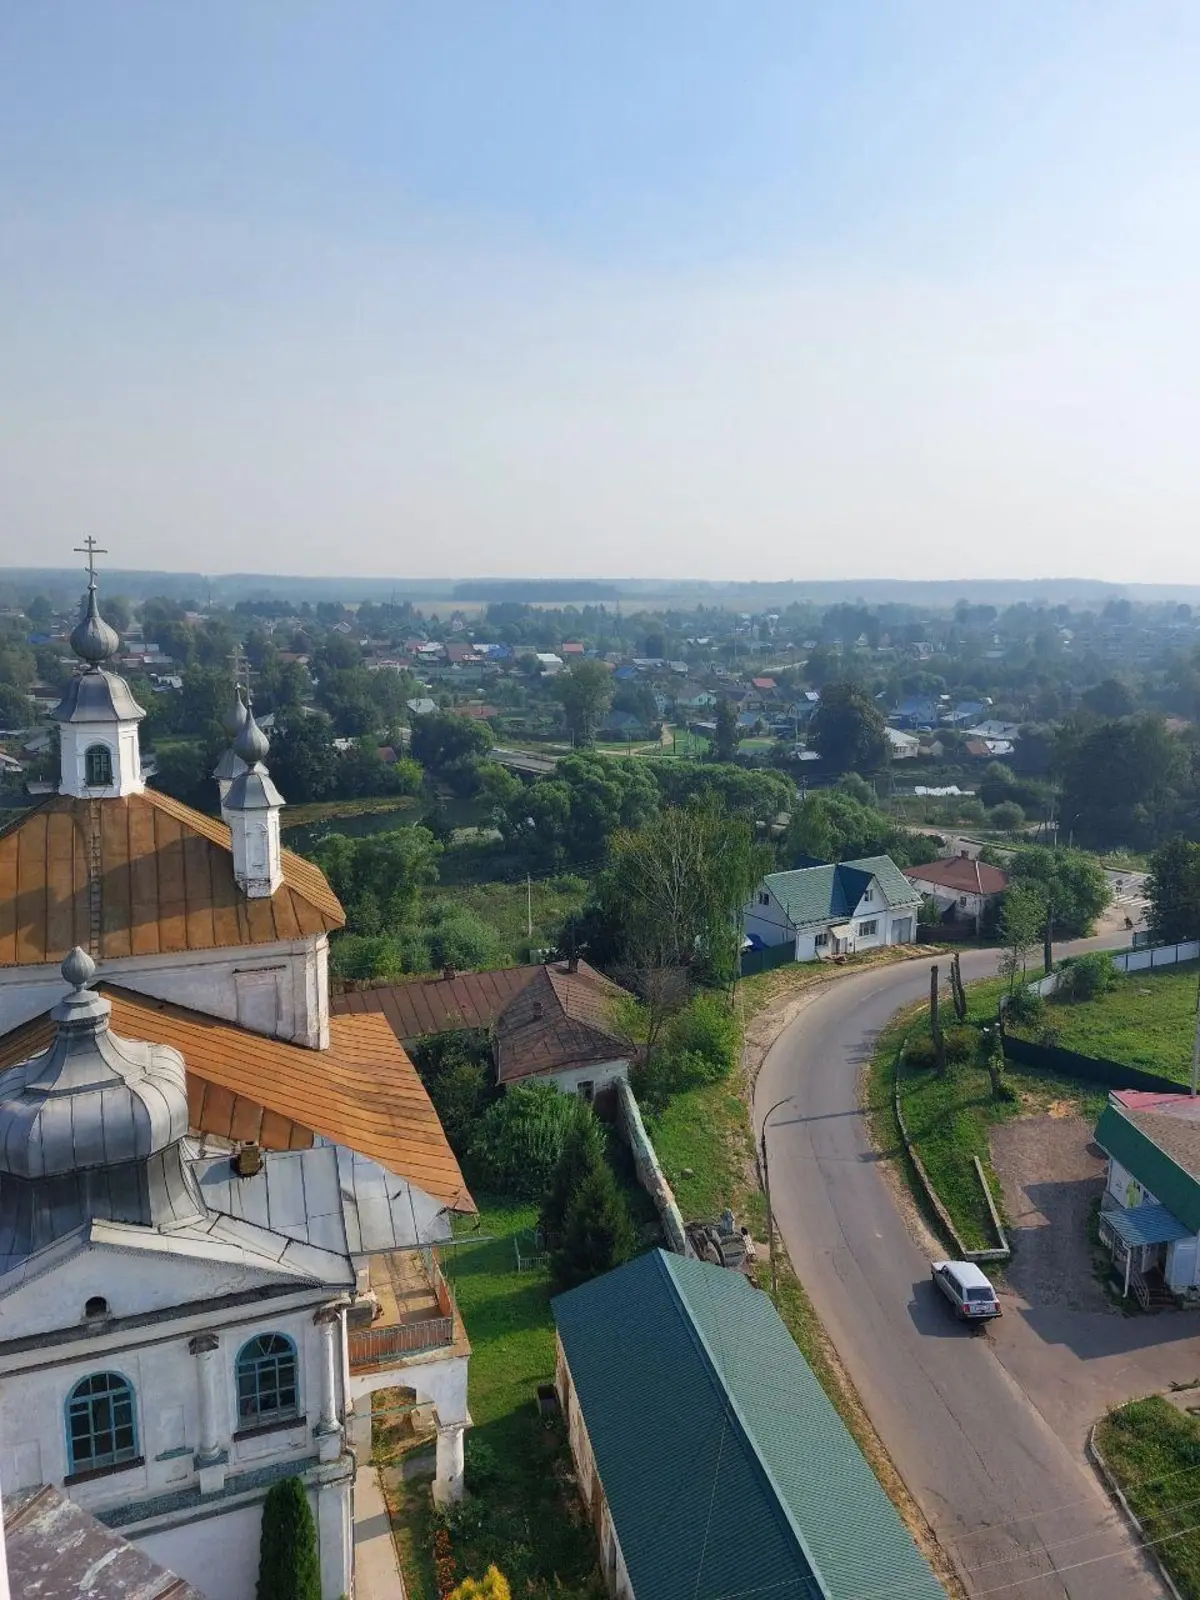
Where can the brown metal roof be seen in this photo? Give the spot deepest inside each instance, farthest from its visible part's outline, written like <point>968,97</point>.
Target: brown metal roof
<point>561,1019</point>
<point>961,874</point>
<point>58,1551</point>
<point>363,1092</point>
<point>439,1005</point>
<point>142,875</point>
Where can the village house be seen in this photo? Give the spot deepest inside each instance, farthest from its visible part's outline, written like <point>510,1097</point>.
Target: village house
<point>1150,1210</point>
<point>834,909</point>
<point>963,889</point>
<point>688,1405</point>
<point>550,1023</point>
<point>219,1205</point>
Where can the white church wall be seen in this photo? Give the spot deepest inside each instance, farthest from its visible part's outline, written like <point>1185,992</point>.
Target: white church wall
<point>279,989</point>
<point>165,1377</point>
<point>190,1552</point>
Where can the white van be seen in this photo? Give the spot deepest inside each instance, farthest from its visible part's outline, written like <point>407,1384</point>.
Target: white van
<point>966,1288</point>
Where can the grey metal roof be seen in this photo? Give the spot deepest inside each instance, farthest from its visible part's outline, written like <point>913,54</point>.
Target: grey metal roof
<point>91,1099</point>
<point>253,790</point>
<point>229,766</point>
<point>97,696</point>
<point>58,1551</point>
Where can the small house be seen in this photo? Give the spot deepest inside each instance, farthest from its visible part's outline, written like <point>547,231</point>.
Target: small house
<point>960,887</point>
<point>559,1028</point>
<point>834,909</point>
<point>710,1460</point>
<point>1150,1209</point>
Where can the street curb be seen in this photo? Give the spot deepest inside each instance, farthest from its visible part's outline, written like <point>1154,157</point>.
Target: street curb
<point>1114,1489</point>
<point>1004,1252</point>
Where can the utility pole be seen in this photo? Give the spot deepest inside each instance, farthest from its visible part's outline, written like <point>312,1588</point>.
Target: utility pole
<point>767,1192</point>
<point>528,906</point>
<point>1196,1044</point>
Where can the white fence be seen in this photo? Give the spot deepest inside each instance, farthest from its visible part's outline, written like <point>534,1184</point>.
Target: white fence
<point>1148,960</point>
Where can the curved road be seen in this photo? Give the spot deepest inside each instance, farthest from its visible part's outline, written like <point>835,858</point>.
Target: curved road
<point>986,1436</point>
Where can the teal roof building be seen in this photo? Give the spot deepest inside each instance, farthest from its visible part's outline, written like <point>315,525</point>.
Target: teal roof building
<point>711,1460</point>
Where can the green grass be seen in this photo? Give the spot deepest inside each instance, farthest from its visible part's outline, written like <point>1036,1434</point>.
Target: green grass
<point>706,1132</point>
<point>1153,1450</point>
<point>332,812</point>
<point>1147,1021</point>
<point>503,907</point>
<point>519,1514</point>
<point>950,1119</point>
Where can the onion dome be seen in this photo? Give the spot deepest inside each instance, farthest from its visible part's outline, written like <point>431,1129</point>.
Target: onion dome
<point>236,717</point>
<point>92,1100</point>
<point>92,639</point>
<point>251,743</point>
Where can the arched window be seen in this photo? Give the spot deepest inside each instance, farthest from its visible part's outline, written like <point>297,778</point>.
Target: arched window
<point>101,1426</point>
<point>266,1380</point>
<point>98,761</point>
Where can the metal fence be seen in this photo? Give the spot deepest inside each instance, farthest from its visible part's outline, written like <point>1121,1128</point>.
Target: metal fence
<point>764,960</point>
<point>380,1347</point>
<point>1070,1064</point>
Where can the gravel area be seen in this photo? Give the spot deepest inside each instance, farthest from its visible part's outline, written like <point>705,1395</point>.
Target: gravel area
<point>1051,1174</point>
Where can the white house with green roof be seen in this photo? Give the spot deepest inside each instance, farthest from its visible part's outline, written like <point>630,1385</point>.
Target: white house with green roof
<point>834,908</point>
<point>1150,1210</point>
<point>710,1460</point>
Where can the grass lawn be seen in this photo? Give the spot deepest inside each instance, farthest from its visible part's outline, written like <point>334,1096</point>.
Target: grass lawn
<point>1148,1020</point>
<point>1153,1450</point>
<point>521,1512</point>
<point>333,811</point>
<point>706,1146</point>
<point>949,1118</point>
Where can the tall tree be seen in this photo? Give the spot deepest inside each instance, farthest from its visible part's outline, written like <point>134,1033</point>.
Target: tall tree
<point>1071,884</point>
<point>848,730</point>
<point>289,1567</point>
<point>585,691</point>
<point>1022,915</point>
<point>1173,889</point>
<point>725,739</point>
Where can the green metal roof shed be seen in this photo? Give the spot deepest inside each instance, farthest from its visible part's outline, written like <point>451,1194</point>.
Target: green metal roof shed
<point>726,1469</point>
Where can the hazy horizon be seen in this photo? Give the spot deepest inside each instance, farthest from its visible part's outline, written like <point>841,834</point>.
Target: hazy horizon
<point>791,293</point>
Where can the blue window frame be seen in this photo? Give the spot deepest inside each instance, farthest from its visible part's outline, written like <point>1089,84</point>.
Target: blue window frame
<point>266,1380</point>
<point>101,1423</point>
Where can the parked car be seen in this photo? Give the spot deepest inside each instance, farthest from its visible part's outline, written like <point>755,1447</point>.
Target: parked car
<point>966,1288</point>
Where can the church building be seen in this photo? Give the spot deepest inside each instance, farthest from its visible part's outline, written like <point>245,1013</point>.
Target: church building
<point>219,1205</point>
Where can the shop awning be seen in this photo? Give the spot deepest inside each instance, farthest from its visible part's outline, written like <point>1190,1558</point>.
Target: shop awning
<point>844,930</point>
<point>1144,1225</point>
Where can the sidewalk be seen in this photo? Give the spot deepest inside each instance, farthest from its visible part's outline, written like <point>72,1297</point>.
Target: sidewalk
<point>376,1570</point>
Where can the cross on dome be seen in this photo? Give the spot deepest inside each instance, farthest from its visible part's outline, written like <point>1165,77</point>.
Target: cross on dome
<point>91,550</point>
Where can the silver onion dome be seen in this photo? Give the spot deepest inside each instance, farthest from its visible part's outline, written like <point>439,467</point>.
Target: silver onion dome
<point>92,639</point>
<point>236,717</point>
<point>91,1099</point>
<point>251,743</point>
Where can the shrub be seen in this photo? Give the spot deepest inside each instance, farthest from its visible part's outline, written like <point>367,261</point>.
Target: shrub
<point>457,1070</point>
<point>288,1565</point>
<point>517,1142</point>
<point>481,1465</point>
<point>704,1038</point>
<point>1006,816</point>
<point>492,1586</point>
<point>1086,977</point>
<point>961,1044</point>
<point>1025,1007</point>
<point>456,937</point>
<point>918,1052</point>
<point>598,1231</point>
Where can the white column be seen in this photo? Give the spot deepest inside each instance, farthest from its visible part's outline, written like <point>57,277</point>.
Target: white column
<point>335,1535</point>
<point>448,1483</point>
<point>329,1428</point>
<point>210,1457</point>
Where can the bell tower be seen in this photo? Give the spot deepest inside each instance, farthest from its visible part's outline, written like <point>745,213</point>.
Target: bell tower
<point>98,716</point>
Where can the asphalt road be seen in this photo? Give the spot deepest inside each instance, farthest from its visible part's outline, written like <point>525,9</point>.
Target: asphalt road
<point>1007,1491</point>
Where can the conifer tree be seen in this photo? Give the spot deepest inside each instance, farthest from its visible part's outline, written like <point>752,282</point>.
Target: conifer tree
<point>289,1567</point>
<point>598,1230</point>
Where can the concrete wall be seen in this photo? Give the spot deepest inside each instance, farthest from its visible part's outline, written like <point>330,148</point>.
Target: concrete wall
<point>600,1074</point>
<point>650,1173</point>
<point>279,989</point>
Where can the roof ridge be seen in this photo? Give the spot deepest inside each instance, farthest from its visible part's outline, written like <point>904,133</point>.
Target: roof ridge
<point>717,1372</point>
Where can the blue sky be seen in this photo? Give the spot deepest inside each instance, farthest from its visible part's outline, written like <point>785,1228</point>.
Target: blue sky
<point>744,290</point>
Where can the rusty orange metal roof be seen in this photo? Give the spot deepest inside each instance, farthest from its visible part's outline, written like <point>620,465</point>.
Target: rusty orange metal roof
<point>141,875</point>
<point>439,1005</point>
<point>363,1092</point>
<point>562,1019</point>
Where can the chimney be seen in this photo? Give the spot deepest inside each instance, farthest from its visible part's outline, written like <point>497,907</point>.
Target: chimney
<point>572,963</point>
<point>449,973</point>
<point>248,1161</point>
<point>538,1009</point>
